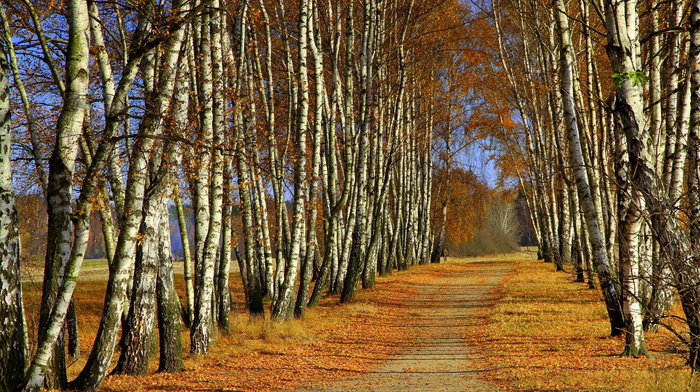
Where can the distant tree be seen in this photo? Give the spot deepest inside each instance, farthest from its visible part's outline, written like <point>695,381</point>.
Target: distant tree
<point>497,229</point>
<point>468,197</point>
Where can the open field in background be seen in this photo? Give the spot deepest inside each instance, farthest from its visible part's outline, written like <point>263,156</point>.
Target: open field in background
<point>543,333</point>
<point>92,269</point>
<point>546,333</point>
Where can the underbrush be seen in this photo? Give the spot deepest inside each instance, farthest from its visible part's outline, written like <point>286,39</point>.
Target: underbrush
<point>487,241</point>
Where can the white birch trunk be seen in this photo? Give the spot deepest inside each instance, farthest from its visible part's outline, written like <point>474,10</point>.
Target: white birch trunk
<point>224,266</point>
<point>283,307</point>
<point>108,93</point>
<point>138,328</point>
<point>59,191</point>
<point>187,260</point>
<point>630,210</point>
<point>205,87</point>
<point>120,272</point>
<point>610,293</point>
<point>181,101</point>
<point>202,324</point>
<point>169,319</point>
<point>630,232</point>
<point>266,88</point>
<point>13,343</point>
<point>311,252</point>
<point>358,253</point>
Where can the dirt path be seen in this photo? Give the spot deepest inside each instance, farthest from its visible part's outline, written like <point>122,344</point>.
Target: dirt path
<point>440,361</point>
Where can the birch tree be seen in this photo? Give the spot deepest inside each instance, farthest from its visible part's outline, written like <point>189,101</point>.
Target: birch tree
<point>621,21</point>
<point>358,255</point>
<point>210,188</point>
<point>60,179</point>
<point>585,197</point>
<point>135,195</point>
<point>283,308</point>
<point>13,339</point>
<point>169,320</point>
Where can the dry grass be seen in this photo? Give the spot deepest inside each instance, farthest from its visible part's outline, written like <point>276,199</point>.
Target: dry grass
<point>546,333</point>
<point>332,341</point>
<point>542,333</point>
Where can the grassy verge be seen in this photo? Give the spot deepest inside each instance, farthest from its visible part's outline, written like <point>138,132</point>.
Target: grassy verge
<point>332,341</point>
<point>546,333</point>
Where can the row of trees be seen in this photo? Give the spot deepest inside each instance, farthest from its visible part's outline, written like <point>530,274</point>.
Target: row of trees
<point>602,113</point>
<point>310,122</point>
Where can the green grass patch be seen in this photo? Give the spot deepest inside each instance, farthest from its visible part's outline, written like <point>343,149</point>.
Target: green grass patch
<point>95,263</point>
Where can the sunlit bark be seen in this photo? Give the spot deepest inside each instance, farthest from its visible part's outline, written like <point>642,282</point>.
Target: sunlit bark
<point>169,320</point>
<point>213,132</point>
<point>610,293</point>
<point>283,307</point>
<point>59,191</point>
<point>13,341</point>
<point>120,271</point>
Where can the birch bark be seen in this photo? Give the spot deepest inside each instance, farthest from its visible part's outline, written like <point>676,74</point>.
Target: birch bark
<point>203,322</point>
<point>138,328</point>
<point>181,101</point>
<point>358,253</point>
<point>60,181</point>
<point>283,307</point>
<point>169,320</point>
<point>13,343</point>
<point>630,207</point>
<point>610,293</point>
<point>311,252</point>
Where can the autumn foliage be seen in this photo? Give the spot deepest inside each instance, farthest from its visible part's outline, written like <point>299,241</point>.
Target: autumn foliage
<point>468,198</point>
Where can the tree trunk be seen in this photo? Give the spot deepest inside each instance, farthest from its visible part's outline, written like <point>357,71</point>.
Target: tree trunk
<point>629,233</point>
<point>181,101</point>
<point>169,320</point>
<point>283,307</point>
<point>203,315</point>
<point>267,96</point>
<point>223,290</point>
<point>187,259</point>
<point>610,294</point>
<point>312,253</point>
<point>138,328</point>
<point>72,332</point>
<point>358,252</point>
<point>59,191</point>
<point>13,343</point>
<point>251,281</point>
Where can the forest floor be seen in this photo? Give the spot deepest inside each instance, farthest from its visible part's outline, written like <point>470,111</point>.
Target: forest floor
<point>506,322</point>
